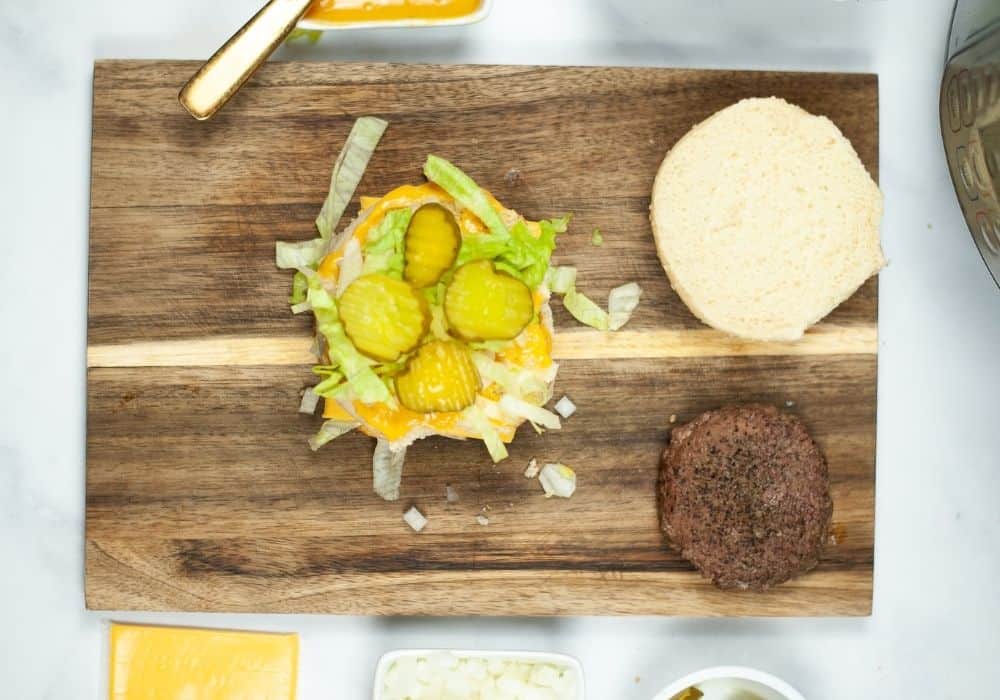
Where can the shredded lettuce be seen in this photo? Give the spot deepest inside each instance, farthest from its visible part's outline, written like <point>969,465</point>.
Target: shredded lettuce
<point>331,387</point>
<point>357,370</point>
<point>308,35</point>
<point>527,257</point>
<point>561,224</point>
<point>561,279</point>
<point>385,244</point>
<point>350,265</point>
<point>520,254</point>
<point>309,402</point>
<point>299,287</point>
<point>622,301</point>
<point>518,408</point>
<point>387,470</point>
<point>355,367</point>
<point>439,322</point>
<point>481,424</point>
<point>465,191</point>
<point>318,297</point>
<point>290,256</point>
<point>330,430</point>
<point>586,311</point>
<point>596,239</point>
<point>348,170</point>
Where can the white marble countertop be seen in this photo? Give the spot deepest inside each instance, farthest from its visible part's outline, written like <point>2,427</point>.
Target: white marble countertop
<point>934,632</point>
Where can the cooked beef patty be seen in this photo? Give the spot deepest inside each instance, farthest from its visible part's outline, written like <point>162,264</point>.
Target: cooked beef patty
<point>745,496</point>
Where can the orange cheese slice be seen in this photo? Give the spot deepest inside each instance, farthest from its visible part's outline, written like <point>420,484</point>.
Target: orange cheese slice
<point>169,663</point>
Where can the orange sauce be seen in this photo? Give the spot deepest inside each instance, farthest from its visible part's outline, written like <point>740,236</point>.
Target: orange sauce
<point>344,11</point>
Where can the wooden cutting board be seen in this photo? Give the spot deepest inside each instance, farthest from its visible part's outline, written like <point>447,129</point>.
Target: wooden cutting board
<point>202,493</point>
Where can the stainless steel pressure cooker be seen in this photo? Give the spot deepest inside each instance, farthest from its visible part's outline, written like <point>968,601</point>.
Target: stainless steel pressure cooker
<point>970,120</point>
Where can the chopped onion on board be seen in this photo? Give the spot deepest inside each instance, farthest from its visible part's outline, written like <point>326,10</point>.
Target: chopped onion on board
<point>557,480</point>
<point>415,519</point>
<point>622,301</point>
<point>564,407</point>
<point>531,471</point>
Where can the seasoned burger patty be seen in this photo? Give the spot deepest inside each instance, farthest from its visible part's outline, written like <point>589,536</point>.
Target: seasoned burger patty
<point>745,496</point>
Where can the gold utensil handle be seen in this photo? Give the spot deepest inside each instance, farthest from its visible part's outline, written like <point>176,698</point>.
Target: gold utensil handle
<point>232,65</point>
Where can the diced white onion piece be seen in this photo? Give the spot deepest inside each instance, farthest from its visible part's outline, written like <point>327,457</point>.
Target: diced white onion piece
<point>350,265</point>
<point>482,520</point>
<point>531,471</point>
<point>387,470</point>
<point>514,406</point>
<point>415,519</point>
<point>451,494</point>
<point>622,301</point>
<point>310,400</point>
<point>557,480</point>
<point>564,407</point>
<point>446,676</point>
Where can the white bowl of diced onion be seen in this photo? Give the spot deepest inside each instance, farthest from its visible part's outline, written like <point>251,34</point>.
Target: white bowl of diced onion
<point>434,674</point>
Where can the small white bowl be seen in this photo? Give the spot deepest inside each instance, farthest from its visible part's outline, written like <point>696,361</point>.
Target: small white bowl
<point>763,684</point>
<point>477,16</point>
<point>532,657</point>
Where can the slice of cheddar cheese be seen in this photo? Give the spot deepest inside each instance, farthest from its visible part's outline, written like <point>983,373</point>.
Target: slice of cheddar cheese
<point>176,663</point>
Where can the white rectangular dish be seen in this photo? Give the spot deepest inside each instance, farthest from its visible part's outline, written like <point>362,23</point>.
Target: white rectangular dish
<point>569,663</point>
<point>478,16</point>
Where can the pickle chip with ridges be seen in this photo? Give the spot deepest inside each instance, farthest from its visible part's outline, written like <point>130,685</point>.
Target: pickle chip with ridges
<point>440,377</point>
<point>431,245</point>
<point>384,317</point>
<point>483,304</point>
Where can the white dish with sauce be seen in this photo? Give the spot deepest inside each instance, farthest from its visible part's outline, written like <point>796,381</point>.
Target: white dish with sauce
<point>471,18</point>
<point>568,663</point>
<point>732,683</point>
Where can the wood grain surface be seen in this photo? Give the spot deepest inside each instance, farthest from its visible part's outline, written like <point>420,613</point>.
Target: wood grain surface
<point>202,493</point>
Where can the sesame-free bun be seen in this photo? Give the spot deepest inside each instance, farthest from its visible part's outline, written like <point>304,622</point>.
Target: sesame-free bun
<point>765,219</point>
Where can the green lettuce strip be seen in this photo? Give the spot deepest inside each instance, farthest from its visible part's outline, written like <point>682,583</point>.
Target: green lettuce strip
<point>348,171</point>
<point>465,191</point>
<point>384,247</point>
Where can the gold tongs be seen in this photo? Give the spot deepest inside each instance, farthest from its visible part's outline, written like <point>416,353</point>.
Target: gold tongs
<point>232,65</point>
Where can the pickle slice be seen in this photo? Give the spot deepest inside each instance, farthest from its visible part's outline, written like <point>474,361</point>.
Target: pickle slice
<point>440,377</point>
<point>483,304</point>
<point>432,242</point>
<point>384,317</point>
